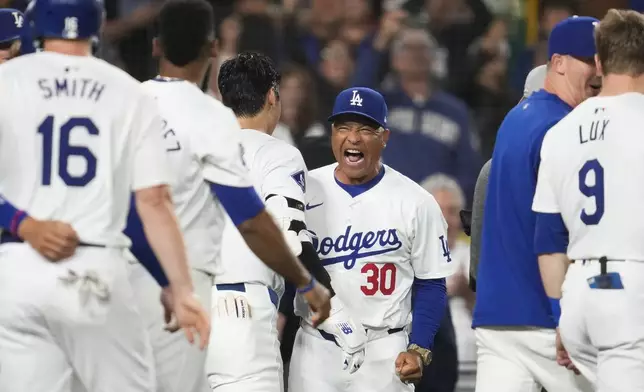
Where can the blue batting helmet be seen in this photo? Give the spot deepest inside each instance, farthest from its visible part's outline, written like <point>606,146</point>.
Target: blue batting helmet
<point>11,25</point>
<point>65,19</point>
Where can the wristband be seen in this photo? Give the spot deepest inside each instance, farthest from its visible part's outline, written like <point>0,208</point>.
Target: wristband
<point>307,288</point>
<point>17,219</point>
<point>555,306</point>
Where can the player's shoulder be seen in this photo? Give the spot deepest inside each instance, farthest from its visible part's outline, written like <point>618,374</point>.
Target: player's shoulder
<point>324,173</point>
<point>272,151</point>
<point>405,188</point>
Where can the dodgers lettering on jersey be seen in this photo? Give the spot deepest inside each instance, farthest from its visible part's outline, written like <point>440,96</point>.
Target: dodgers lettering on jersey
<point>275,168</point>
<point>352,244</point>
<point>374,243</point>
<point>592,171</point>
<point>77,135</point>
<point>201,141</point>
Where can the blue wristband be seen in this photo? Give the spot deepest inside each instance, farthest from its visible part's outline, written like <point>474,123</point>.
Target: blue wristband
<point>555,306</point>
<point>307,288</point>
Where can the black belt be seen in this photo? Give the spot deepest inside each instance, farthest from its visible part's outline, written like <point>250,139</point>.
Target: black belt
<point>8,238</point>
<point>602,263</point>
<point>331,338</point>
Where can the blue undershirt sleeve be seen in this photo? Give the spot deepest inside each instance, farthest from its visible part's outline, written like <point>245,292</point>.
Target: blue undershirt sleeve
<point>241,204</point>
<point>550,234</point>
<point>428,309</point>
<point>141,248</point>
<point>10,216</point>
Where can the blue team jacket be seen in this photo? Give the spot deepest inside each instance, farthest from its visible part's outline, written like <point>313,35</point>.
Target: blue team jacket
<point>509,287</point>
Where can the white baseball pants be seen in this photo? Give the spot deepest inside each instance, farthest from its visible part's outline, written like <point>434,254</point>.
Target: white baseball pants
<point>72,318</point>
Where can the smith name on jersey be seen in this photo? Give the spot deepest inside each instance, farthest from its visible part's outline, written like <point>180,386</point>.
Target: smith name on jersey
<point>374,239</point>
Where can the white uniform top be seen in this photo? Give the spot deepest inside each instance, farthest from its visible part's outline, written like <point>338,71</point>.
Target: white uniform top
<point>275,168</point>
<point>374,244</point>
<point>592,171</point>
<point>201,137</point>
<point>77,135</point>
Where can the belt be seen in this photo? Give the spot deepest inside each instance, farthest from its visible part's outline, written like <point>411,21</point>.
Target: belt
<point>331,338</point>
<point>602,263</point>
<point>8,238</point>
<point>241,287</point>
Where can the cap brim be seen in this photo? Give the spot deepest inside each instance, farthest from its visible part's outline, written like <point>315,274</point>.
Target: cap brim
<point>357,113</point>
<point>10,39</point>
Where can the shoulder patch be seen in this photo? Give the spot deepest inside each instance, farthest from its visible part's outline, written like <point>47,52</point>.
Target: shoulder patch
<point>300,179</point>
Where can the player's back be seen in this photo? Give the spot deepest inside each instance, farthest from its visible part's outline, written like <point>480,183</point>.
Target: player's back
<point>195,127</point>
<point>277,168</point>
<point>598,157</point>
<point>69,126</point>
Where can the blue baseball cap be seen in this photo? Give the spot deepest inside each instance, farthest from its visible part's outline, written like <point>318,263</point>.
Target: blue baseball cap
<point>12,23</point>
<point>573,36</point>
<point>361,101</point>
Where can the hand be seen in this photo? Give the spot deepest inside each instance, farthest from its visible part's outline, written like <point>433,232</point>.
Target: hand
<point>390,25</point>
<point>229,34</point>
<point>188,314</point>
<point>349,335</point>
<point>54,240</point>
<point>563,359</point>
<point>409,366</point>
<point>318,299</point>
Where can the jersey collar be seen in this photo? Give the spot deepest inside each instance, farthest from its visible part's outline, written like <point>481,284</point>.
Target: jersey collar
<point>357,190</point>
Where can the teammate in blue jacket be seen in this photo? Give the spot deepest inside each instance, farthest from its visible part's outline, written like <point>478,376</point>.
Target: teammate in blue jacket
<point>515,327</point>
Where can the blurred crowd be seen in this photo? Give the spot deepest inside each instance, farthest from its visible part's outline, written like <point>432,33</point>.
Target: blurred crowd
<point>448,69</point>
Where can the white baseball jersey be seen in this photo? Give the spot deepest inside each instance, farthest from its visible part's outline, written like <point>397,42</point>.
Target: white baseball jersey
<point>76,136</point>
<point>374,244</point>
<point>201,139</point>
<point>592,171</point>
<point>276,168</point>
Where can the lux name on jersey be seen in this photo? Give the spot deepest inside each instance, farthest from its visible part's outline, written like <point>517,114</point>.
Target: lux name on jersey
<point>356,242</point>
<point>593,132</point>
<point>83,88</point>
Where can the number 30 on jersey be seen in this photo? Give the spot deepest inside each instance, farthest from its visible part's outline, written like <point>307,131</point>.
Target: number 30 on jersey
<point>56,139</point>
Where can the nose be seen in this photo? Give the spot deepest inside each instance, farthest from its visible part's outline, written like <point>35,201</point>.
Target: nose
<point>354,137</point>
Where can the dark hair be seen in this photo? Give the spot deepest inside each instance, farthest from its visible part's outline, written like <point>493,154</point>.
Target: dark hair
<point>563,5</point>
<point>185,27</point>
<point>244,82</point>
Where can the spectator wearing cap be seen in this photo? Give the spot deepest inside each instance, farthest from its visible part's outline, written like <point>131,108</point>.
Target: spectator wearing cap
<point>513,318</point>
<point>12,33</point>
<point>430,129</point>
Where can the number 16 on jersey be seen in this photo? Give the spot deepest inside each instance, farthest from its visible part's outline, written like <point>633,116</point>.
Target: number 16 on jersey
<point>56,140</point>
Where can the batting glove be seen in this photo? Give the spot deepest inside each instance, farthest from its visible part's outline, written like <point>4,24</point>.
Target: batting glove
<point>349,335</point>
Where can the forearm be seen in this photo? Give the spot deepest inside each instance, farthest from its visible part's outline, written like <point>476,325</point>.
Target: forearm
<point>553,269</point>
<point>265,239</point>
<point>163,234</point>
<point>429,304</point>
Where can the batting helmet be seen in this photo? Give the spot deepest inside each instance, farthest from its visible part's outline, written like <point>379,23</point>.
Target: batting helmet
<point>65,19</point>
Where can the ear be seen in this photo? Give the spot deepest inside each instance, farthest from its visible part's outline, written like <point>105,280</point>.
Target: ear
<point>385,137</point>
<point>156,48</point>
<point>598,64</point>
<point>558,63</point>
<point>271,98</point>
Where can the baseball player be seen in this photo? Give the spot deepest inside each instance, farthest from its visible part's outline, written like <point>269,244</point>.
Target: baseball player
<point>381,237</point>
<point>11,27</point>
<point>77,136</point>
<point>249,84</point>
<point>589,185</point>
<point>514,324</point>
<point>202,144</point>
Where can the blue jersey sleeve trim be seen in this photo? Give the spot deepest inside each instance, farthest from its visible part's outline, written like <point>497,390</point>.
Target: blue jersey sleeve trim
<point>555,306</point>
<point>10,216</point>
<point>141,248</point>
<point>428,309</point>
<point>550,234</point>
<point>241,204</point>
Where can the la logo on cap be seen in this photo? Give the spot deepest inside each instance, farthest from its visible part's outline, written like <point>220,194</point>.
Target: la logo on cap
<point>356,100</point>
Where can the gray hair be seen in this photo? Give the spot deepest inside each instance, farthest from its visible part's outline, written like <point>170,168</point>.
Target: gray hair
<point>442,182</point>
